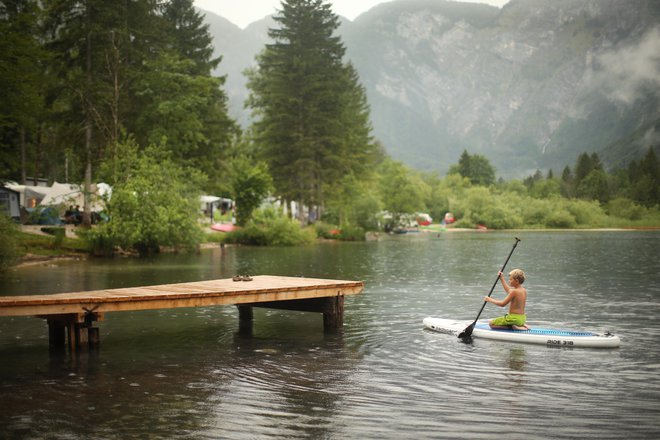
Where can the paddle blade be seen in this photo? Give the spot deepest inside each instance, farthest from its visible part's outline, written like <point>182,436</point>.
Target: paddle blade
<point>466,335</point>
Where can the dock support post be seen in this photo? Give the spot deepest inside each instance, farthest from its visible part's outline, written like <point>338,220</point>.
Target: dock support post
<point>332,308</point>
<point>56,334</point>
<point>73,331</point>
<point>333,313</point>
<point>245,312</point>
<point>245,318</point>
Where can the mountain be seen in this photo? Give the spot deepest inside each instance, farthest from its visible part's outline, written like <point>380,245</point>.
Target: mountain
<point>530,86</point>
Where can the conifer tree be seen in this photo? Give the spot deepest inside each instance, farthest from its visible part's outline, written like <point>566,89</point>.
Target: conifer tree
<point>181,102</point>
<point>189,36</point>
<point>311,116</point>
<point>22,87</point>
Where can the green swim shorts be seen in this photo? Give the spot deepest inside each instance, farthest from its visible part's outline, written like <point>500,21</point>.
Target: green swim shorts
<point>510,319</point>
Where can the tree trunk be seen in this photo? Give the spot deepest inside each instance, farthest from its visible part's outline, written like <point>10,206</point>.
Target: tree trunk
<point>23,157</point>
<point>87,211</point>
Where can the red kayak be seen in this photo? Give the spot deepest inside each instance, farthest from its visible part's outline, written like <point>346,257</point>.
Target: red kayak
<point>224,227</point>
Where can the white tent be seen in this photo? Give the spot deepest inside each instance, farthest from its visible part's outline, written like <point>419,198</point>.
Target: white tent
<point>64,193</point>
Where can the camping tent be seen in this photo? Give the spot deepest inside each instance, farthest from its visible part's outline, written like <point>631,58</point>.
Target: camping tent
<point>64,193</point>
<point>73,195</point>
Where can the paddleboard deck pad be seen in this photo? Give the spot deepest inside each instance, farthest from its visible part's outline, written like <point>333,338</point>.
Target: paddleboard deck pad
<point>536,335</point>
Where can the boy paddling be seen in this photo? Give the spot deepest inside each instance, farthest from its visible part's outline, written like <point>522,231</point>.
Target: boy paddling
<point>516,298</point>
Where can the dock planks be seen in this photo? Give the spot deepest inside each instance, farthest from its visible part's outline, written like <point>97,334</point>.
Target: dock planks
<point>74,312</point>
<point>264,288</point>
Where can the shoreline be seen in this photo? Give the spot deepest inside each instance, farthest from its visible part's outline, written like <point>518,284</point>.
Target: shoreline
<point>30,259</point>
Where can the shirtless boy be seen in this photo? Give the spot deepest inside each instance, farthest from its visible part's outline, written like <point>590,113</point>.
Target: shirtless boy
<point>516,298</point>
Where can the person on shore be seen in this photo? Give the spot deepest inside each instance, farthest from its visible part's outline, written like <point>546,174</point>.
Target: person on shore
<point>516,298</point>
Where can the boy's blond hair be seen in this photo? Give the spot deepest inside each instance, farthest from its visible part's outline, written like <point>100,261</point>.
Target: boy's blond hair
<point>518,274</point>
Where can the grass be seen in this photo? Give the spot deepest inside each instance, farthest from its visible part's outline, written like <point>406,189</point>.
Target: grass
<point>47,245</point>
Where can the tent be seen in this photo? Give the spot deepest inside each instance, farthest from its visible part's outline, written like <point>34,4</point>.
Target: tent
<point>73,195</point>
<point>64,193</point>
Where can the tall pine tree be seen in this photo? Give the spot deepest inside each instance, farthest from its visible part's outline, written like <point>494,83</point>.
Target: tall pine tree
<point>22,88</point>
<point>311,116</point>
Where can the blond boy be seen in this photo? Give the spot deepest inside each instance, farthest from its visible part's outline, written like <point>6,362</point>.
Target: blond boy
<point>516,297</point>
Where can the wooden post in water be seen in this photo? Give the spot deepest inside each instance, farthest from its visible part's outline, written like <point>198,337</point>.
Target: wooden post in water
<point>333,313</point>
<point>332,308</point>
<point>56,334</point>
<point>73,330</point>
<point>245,312</point>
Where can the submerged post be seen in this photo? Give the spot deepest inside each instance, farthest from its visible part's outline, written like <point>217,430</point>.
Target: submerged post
<point>73,330</point>
<point>333,313</point>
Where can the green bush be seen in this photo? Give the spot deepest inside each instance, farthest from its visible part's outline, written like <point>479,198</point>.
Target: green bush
<point>154,203</point>
<point>268,228</point>
<point>586,213</point>
<point>99,242</point>
<point>9,246</point>
<point>57,232</point>
<point>561,219</point>
<point>325,230</point>
<point>351,233</point>
<point>536,212</point>
<point>499,217</point>
<point>622,207</point>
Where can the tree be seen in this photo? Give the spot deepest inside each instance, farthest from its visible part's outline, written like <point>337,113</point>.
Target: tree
<point>476,168</point>
<point>139,68</point>
<point>22,88</point>
<point>311,116</point>
<point>154,202</point>
<point>250,184</point>
<point>399,192</point>
<point>586,164</point>
<point>567,182</point>
<point>91,43</point>
<point>189,36</point>
<point>594,186</point>
<point>356,202</point>
<point>645,179</point>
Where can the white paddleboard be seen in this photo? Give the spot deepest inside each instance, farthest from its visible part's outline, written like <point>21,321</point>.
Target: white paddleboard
<point>543,336</point>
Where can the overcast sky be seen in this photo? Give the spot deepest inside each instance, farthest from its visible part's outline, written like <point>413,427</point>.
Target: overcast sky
<point>244,12</point>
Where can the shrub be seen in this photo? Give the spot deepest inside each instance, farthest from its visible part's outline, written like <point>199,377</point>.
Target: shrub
<point>586,213</point>
<point>326,230</point>
<point>351,233</point>
<point>268,228</point>
<point>560,219</point>
<point>58,233</point>
<point>536,212</point>
<point>99,242</point>
<point>622,207</point>
<point>9,250</point>
<point>154,203</point>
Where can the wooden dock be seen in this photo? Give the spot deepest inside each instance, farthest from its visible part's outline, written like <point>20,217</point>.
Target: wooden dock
<point>71,316</point>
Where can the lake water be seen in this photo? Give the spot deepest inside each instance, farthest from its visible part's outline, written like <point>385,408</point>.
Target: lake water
<point>190,373</point>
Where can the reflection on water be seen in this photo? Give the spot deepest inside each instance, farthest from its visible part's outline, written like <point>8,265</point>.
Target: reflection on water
<point>192,373</point>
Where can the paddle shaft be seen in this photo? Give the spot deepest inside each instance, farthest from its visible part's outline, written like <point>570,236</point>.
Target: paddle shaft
<point>468,331</point>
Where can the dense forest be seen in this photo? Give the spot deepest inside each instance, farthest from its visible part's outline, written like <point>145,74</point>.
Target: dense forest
<point>122,93</point>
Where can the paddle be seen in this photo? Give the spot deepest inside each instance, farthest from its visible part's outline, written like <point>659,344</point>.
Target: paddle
<point>466,335</point>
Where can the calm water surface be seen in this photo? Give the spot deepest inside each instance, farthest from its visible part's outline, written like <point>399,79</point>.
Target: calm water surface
<point>189,373</point>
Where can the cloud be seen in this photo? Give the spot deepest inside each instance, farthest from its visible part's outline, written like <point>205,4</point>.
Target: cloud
<point>630,72</point>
